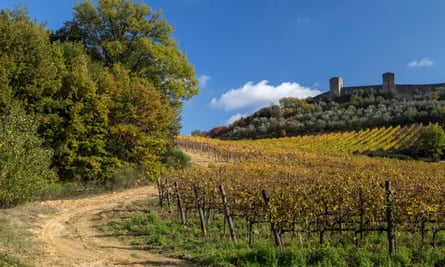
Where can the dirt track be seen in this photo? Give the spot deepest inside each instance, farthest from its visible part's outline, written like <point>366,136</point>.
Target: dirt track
<point>69,238</point>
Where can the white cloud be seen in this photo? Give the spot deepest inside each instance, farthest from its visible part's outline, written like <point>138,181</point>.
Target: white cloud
<point>235,118</point>
<point>203,79</point>
<point>424,62</point>
<point>254,96</point>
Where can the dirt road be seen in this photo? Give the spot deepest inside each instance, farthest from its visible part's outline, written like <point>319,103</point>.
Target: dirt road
<point>66,234</point>
<point>69,238</point>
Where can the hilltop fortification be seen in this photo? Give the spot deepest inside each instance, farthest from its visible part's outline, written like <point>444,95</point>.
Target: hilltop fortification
<point>388,86</point>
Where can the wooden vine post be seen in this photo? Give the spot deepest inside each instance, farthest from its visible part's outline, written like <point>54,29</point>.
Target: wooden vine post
<point>275,233</point>
<point>390,219</point>
<point>161,193</point>
<point>250,232</point>
<point>180,206</point>
<point>200,211</point>
<point>227,215</point>
<point>167,193</point>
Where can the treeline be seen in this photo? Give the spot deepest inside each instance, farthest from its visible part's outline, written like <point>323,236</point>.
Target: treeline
<point>320,115</point>
<point>100,95</point>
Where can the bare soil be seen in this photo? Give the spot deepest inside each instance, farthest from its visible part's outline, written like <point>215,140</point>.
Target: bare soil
<point>65,233</point>
<point>69,238</point>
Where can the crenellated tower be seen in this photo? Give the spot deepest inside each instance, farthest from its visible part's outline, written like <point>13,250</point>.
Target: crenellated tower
<point>335,86</point>
<point>388,83</point>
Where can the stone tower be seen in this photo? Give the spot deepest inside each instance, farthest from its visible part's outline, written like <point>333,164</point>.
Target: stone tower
<point>335,86</point>
<point>388,84</point>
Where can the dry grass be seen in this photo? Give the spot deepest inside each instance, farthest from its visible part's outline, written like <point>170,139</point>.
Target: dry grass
<point>18,231</point>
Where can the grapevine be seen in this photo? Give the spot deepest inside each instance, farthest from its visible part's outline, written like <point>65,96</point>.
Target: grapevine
<point>314,189</point>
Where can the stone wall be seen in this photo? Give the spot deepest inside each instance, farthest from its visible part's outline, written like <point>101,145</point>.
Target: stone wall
<point>402,91</point>
<point>408,91</point>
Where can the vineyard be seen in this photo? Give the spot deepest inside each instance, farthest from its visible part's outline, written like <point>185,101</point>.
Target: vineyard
<point>334,144</point>
<point>312,185</point>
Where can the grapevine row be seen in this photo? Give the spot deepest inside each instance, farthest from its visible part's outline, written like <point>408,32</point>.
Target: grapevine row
<point>315,192</point>
<point>339,144</point>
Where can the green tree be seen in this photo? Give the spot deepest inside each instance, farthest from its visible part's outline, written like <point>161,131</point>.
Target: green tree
<point>272,111</point>
<point>107,89</point>
<point>431,142</point>
<point>140,118</point>
<point>132,34</point>
<point>24,163</point>
<point>81,131</point>
<point>295,103</point>
<point>28,70</point>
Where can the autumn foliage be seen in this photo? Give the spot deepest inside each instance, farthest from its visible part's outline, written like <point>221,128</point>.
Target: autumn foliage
<point>106,90</point>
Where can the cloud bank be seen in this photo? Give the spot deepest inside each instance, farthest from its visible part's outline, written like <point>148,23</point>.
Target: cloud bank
<point>424,62</point>
<point>254,96</point>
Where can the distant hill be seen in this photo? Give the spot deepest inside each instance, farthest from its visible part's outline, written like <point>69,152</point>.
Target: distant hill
<point>323,114</point>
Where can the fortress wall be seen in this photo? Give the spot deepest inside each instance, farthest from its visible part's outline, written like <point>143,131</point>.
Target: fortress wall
<point>408,90</point>
<point>403,91</point>
<point>361,89</point>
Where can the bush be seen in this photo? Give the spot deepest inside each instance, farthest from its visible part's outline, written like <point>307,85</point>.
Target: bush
<point>61,190</point>
<point>177,159</point>
<point>402,257</point>
<point>431,142</point>
<point>361,258</point>
<point>326,256</point>
<point>127,177</point>
<point>259,256</point>
<point>433,257</point>
<point>6,260</point>
<point>292,257</point>
<point>24,164</point>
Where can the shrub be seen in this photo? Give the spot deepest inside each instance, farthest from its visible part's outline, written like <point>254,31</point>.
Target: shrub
<point>361,258</point>
<point>326,256</point>
<point>431,142</point>
<point>292,257</point>
<point>259,256</point>
<point>24,164</point>
<point>177,159</point>
<point>127,177</point>
<point>433,257</point>
<point>6,260</point>
<point>402,257</point>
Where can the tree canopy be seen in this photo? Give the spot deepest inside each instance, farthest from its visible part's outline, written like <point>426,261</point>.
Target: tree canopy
<point>133,35</point>
<point>431,142</point>
<point>106,89</point>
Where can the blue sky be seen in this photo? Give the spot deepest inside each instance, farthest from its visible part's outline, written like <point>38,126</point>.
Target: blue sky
<point>250,53</point>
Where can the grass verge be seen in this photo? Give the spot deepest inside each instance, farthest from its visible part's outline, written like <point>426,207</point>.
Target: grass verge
<point>145,226</point>
<point>17,244</point>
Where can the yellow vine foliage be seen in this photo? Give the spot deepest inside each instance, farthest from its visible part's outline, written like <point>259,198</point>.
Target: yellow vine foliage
<point>313,178</point>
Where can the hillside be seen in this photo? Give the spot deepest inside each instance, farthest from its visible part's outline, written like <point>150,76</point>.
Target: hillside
<point>293,117</point>
<point>312,192</point>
